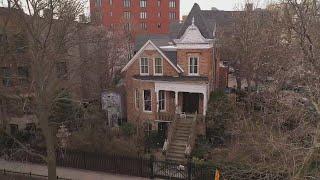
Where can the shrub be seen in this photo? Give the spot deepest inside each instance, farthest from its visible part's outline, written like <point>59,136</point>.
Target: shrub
<point>128,129</point>
<point>220,112</point>
<point>155,139</point>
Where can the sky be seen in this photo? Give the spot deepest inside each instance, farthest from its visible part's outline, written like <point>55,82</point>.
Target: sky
<point>227,5</point>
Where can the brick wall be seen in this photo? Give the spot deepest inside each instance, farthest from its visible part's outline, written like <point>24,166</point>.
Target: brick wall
<point>205,60</point>
<point>135,115</point>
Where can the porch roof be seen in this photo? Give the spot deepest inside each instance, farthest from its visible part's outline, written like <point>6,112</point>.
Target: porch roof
<point>172,78</point>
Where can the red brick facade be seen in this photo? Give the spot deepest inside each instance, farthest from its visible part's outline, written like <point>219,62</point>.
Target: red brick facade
<point>135,113</point>
<point>154,18</point>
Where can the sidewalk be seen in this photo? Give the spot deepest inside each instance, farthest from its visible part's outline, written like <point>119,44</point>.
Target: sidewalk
<point>70,173</point>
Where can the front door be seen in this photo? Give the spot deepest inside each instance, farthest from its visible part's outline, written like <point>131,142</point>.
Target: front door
<point>190,103</point>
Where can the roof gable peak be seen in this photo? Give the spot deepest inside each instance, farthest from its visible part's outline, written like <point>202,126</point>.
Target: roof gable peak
<point>192,35</point>
<point>149,45</point>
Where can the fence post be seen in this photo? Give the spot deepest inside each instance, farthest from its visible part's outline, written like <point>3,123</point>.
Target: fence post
<point>84,160</point>
<point>189,166</point>
<point>151,166</point>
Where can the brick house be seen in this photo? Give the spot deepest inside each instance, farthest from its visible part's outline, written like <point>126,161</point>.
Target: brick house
<point>162,80</point>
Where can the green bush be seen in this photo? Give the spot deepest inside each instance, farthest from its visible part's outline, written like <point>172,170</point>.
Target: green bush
<point>128,129</point>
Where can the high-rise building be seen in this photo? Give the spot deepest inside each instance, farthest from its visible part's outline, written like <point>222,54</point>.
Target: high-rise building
<point>140,16</point>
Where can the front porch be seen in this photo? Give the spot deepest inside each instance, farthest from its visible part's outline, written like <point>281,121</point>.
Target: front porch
<point>180,98</point>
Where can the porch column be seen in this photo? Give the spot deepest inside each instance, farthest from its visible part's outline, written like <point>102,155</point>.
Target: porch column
<point>176,102</point>
<point>205,99</point>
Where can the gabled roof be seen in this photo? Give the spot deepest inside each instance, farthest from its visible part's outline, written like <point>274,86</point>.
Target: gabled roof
<point>205,20</point>
<point>147,45</point>
<point>157,39</point>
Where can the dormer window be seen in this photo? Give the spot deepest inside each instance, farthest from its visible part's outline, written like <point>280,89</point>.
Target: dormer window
<point>144,66</point>
<point>158,66</point>
<point>193,66</point>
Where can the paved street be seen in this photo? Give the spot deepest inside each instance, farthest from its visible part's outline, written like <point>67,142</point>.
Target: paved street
<point>63,172</point>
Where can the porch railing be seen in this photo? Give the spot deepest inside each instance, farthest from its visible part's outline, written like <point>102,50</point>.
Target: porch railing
<point>163,116</point>
<point>170,135</point>
<point>192,136</point>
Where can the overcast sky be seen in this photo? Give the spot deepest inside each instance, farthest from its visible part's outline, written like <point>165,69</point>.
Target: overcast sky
<point>226,5</point>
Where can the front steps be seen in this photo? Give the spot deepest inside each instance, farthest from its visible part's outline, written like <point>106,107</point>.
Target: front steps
<point>182,131</point>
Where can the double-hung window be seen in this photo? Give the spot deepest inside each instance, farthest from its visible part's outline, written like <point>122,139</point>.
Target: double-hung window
<point>137,98</point>
<point>172,15</point>
<point>98,3</point>
<point>162,101</point>
<point>158,66</point>
<point>172,4</point>
<point>147,100</point>
<point>193,66</point>
<point>127,14</point>
<point>144,66</point>
<point>143,26</point>
<point>143,3</point>
<point>6,76</point>
<point>127,3</point>
<point>23,75</point>
<point>143,15</point>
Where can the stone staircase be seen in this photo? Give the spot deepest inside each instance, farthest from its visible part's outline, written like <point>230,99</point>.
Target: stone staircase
<point>177,147</point>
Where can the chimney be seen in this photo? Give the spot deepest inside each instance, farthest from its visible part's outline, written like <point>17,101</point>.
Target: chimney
<point>249,7</point>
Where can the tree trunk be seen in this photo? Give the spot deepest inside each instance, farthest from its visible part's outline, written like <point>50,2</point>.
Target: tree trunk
<point>238,79</point>
<point>50,142</point>
<point>51,156</point>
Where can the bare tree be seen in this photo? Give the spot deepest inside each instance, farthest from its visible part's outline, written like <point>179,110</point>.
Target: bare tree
<point>278,128</point>
<point>105,52</point>
<point>50,27</point>
<point>255,34</point>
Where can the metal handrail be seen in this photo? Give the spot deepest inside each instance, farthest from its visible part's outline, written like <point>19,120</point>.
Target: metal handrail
<point>170,134</point>
<point>192,136</point>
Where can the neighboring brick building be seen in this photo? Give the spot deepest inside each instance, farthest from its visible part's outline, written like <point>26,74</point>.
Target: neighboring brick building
<point>16,73</point>
<point>141,16</point>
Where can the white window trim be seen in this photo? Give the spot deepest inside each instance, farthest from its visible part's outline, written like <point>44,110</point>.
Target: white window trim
<point>136,98</point>
<point>193,74</point>
<point>154,67</point>
<point>165,99</point>
<point>144,110</point>
<point>144,74</point>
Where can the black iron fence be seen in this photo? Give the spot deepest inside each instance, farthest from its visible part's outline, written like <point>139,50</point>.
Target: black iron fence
<point>132,166</point>
<point>8,174</point>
